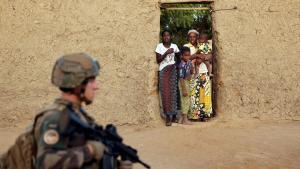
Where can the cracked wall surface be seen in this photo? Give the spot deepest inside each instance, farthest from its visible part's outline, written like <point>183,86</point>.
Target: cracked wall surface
<point>258,57</point>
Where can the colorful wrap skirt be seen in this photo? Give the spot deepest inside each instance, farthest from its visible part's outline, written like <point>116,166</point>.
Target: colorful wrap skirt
<point>168,88</point>
<point>201,103</point>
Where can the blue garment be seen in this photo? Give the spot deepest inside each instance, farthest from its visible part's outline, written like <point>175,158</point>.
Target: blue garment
<point>185,69</point>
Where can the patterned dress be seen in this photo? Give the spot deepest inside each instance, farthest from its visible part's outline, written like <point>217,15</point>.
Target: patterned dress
<point>200,88</point>
<point>168,87</point>
<point>201,105</point>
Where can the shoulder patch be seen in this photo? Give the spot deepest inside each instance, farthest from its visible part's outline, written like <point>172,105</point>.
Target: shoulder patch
<point>51,137</point>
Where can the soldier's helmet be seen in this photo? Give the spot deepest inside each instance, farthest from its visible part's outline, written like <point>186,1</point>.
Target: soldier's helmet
<point>71,70</point>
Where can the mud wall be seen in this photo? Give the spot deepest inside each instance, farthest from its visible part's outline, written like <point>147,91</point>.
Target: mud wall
<point>120,34</point>
<point>258,57</point>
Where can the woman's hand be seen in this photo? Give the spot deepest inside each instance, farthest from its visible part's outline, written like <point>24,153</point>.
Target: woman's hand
<point>194,56</point>
<point>208,56</point>
<point>160,58</point>
<point>201,56</point>
<point>204,57</point>
<point>169,51</point>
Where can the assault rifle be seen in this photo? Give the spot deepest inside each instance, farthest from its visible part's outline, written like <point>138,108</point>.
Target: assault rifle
<point>112,140</point>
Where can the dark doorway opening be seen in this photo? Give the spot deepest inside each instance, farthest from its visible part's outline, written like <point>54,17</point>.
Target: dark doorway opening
<point>179,18</point>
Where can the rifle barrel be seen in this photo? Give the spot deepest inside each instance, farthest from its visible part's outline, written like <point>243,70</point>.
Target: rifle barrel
<point>144,164</point>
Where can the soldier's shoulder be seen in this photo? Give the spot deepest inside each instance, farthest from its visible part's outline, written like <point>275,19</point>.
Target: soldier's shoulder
<point>55,113</point>
<point>56,106</point>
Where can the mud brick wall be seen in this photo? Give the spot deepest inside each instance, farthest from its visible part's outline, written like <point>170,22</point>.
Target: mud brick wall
<point>257,61</point>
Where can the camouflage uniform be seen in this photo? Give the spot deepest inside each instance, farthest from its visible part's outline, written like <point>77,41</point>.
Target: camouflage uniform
<point>60,144</point>
<point>54,142</point>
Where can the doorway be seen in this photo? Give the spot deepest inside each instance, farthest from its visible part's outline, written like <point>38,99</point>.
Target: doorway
<point>180,18</point>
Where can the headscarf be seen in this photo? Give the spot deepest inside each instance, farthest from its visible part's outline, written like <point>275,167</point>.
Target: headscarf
<point>193,31</point>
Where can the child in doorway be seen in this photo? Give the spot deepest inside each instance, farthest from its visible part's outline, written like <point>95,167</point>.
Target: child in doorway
<point>185,73</point>
<point>205,48</point>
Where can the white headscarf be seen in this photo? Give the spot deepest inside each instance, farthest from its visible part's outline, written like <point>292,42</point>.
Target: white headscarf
<point>193,31</point>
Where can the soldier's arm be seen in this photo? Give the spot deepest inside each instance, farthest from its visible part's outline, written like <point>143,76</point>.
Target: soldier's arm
<point>52,147</point>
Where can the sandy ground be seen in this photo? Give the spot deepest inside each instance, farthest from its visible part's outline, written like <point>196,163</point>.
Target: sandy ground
<point>215,144</point>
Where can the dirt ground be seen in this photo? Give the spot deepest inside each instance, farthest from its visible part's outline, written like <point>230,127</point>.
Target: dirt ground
<point>214,144</point>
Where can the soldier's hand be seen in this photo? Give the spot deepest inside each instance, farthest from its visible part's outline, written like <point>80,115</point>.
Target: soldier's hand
<point>125,165</point>
<point>96,148</point>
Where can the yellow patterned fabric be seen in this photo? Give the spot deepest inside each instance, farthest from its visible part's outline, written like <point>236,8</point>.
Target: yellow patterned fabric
<point>192,48</point>
<point>201,104</point>
<point>205,98</point>
<point>200,86</point>
<point>205,47</point>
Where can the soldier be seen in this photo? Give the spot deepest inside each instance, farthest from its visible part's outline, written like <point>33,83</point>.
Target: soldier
<point>59,144</point>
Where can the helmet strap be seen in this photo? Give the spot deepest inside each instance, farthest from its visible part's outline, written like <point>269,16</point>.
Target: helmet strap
<point>82,96</point>
<point>80,92</point>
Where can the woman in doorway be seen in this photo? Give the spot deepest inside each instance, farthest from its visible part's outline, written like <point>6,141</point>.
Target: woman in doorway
<point>201,104</point>
<point>167,54</point>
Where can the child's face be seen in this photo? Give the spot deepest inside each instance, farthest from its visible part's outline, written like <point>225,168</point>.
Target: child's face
<point>203,38</point>
<point>166,37</point>
<point>186,56</point>
<point>198,61</point>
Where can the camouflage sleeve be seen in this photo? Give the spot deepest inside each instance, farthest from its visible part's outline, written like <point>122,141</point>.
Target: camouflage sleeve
<point>52,149</point>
